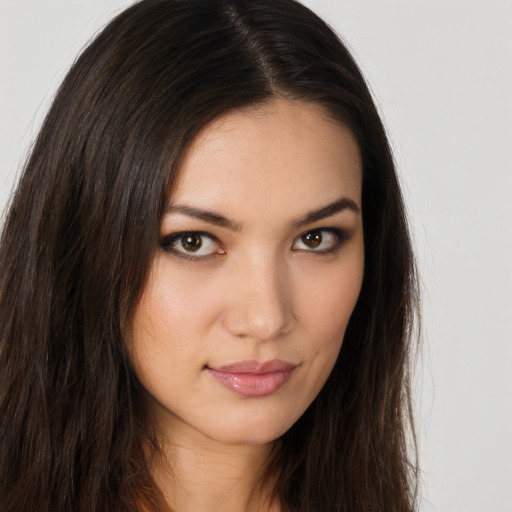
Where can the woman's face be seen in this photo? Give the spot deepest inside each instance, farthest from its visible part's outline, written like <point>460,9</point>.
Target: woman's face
<point>259,268</point>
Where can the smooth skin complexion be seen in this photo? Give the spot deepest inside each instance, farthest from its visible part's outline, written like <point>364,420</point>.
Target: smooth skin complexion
<point>259,268</point>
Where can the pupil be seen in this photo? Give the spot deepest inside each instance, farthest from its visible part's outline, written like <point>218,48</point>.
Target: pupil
<point>312,239</point>
<point>191,242</point>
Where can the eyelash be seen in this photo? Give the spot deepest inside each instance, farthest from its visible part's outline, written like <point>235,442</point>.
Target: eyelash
<point>341,237</point>
<point>167,243</point>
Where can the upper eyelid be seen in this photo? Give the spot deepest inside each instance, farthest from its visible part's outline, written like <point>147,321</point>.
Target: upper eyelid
<point>331,229</point>
<point>201,232</point>
<point>178,234</point>
<point>341,232</point>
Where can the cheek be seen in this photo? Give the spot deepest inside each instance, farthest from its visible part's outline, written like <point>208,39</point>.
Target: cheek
<point>327,298</point>
<point>324,326</point>
<point>174,303</point>
<point>170,325</point>
<point>325,303</point>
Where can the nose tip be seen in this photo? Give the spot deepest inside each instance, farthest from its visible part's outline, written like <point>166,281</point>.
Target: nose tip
<point>260,307</point>
<point>261,325</point>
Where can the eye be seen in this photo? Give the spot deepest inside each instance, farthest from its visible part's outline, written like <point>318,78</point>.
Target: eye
<point>191,244</point>
<point>323,240</point>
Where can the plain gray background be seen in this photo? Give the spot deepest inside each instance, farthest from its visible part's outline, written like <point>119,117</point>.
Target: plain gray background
<point>441,74</point>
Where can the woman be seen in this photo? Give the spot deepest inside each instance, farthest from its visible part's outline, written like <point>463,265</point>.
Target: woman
<point>207,283</point>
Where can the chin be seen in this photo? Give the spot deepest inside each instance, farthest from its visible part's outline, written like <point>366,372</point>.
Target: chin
<point>249,435</point>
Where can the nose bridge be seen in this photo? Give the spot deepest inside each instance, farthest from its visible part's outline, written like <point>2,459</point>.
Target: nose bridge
<point>260,305</point>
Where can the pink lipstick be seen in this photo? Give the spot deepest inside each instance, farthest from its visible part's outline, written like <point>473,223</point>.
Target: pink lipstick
<point>253,379</point>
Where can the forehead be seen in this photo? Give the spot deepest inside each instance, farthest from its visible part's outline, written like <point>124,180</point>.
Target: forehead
<point>284,154</point>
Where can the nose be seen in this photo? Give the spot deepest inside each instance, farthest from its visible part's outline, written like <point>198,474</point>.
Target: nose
<point>259,300</point>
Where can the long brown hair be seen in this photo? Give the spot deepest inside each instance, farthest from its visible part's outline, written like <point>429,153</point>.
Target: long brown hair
<point>82,229</point>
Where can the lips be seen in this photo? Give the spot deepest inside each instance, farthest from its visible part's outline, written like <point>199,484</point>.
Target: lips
<point>252,379</point>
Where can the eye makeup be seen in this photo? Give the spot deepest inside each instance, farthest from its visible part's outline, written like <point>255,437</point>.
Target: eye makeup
<point>325,240</point>
<point>201,245</point>
<point>192,245</point>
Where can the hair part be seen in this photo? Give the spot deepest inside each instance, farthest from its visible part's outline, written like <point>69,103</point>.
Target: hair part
<point>82,230</point>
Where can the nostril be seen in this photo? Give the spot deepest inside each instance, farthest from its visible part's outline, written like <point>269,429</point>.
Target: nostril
<point>261,325</point>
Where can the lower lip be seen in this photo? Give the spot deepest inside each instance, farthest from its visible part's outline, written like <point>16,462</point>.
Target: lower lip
<point>252,385</point>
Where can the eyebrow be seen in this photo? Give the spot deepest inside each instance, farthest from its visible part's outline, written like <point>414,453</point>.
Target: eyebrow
<point>205,215</point>
<point>337,206</point>
<point>211,217</point>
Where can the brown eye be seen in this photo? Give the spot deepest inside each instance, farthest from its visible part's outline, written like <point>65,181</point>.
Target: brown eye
<point>191,242</point>
<point>321,241</point>
<point>312,239</point>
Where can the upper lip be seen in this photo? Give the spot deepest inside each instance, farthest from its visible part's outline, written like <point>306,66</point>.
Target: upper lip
<point>256,367</point>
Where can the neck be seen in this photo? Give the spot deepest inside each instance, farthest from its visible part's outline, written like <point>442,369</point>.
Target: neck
<point>197,474</point>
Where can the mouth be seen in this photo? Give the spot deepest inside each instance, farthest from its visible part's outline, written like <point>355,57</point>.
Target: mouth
<point>253,379</point>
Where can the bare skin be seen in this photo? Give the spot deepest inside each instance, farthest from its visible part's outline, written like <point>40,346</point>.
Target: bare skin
<point>210,476</point>
<point>260,267</point>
